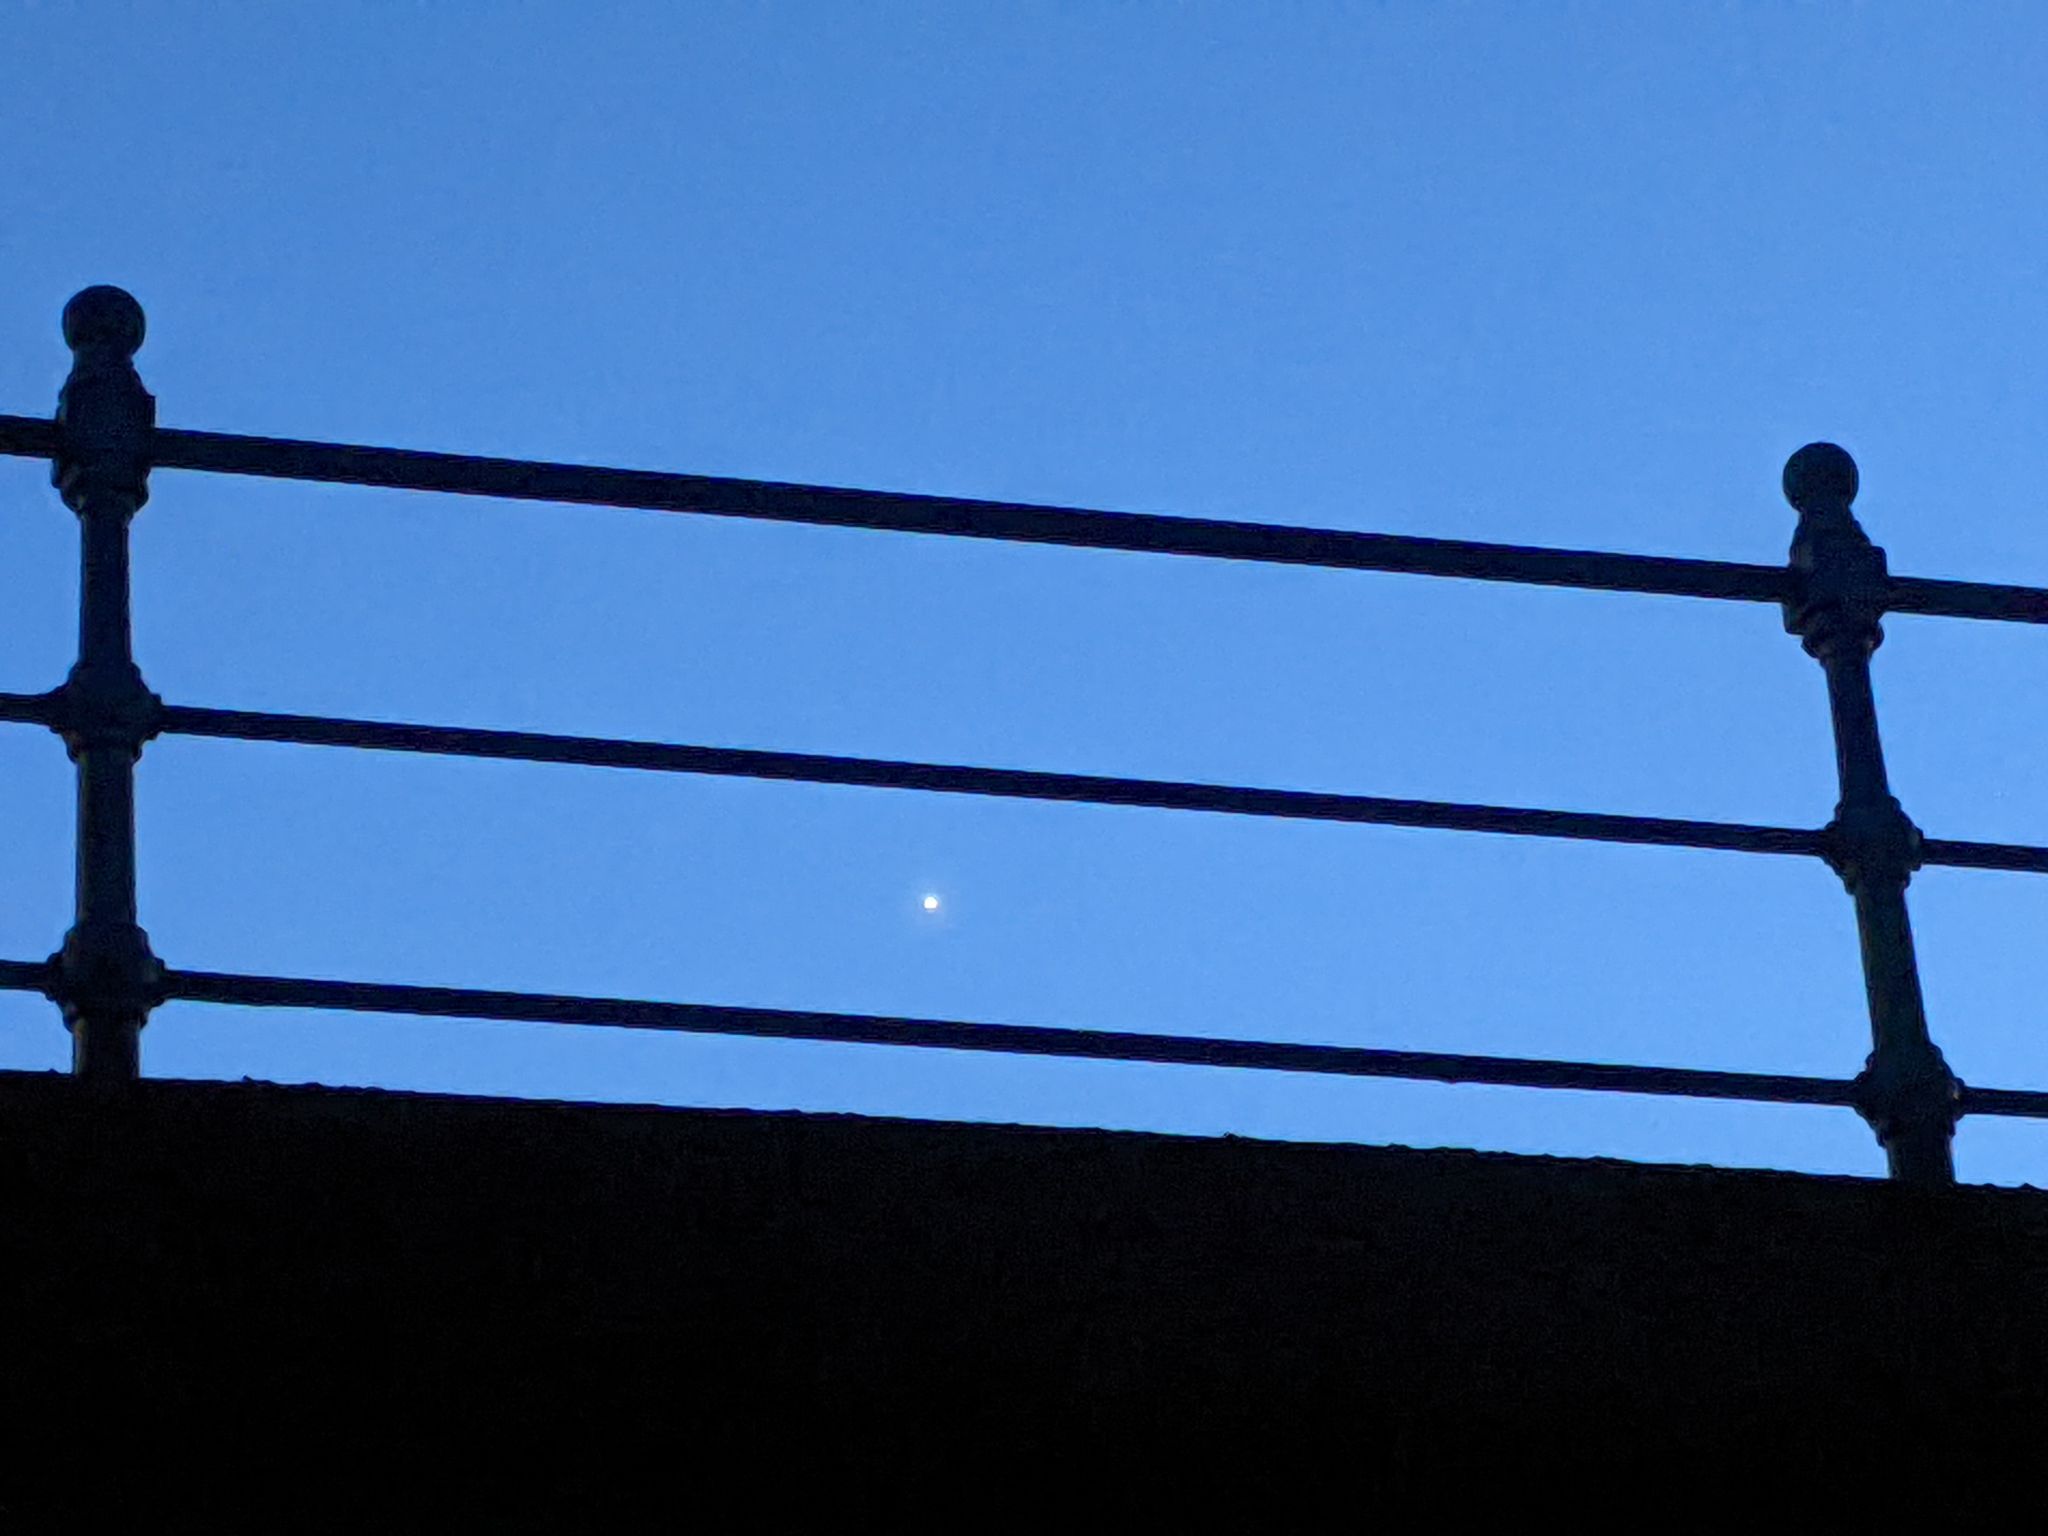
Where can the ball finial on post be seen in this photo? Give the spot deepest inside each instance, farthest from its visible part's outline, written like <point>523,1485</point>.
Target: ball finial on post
<point>104,316</point>
<point>1820,477</point>
<point>105,418</point>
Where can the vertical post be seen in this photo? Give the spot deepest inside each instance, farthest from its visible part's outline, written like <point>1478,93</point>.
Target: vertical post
<point>1840,583</point>
<point>107,977</point>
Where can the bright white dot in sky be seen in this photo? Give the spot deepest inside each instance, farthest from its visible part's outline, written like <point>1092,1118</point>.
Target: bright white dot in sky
<point>931,903</point>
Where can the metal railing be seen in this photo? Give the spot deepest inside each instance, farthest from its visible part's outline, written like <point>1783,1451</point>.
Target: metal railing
<point>1834,590</point>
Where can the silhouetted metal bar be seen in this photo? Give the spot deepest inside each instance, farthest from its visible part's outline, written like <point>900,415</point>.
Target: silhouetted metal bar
<point>105,970</point>
<point>1073,788</point>
<point>1966,600</point>
<point>1007,1039</point>
<point>27,976</point>
<point>235,990</point>
<point>1012,783</point>
<point>774,501</point>
<point>778,501</point>
<point>27,708</point>
<point>28,437</point>
<point>1906,1090</point>
<point>1025,784</point>
<point>1027,523</point>
<point>1095,789</point>
<point>2016,857</point>
<point>2013,1103</point>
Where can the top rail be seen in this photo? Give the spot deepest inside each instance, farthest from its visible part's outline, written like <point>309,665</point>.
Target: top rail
<point>959,517</point>
<point>1016,522</point>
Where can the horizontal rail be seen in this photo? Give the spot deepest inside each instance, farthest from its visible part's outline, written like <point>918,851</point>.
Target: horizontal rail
<point>27,976</point>
<point>1967,600</point>
<point>2018,858</point>
<point>27,708</point>
<point>961,517</point>
<point>775,501</point>
<point>1081,788</point>
<point>1021,784</point>
<point>28,437</point>
<point>1009,783</point>
<point>1008,1039</point>
<point>2014,1103</point>
<point>778,501</point>
<point>231,989</point>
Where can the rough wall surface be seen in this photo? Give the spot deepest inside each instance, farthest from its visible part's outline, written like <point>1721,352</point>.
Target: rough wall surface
<point>207,1289</point>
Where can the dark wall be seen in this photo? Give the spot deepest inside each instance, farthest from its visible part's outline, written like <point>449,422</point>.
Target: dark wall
<point>235,1283</point>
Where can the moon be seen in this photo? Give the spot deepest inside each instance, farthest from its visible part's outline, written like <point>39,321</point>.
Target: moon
<point>930,902</point>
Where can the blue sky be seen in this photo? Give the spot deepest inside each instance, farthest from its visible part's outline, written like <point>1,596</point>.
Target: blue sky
<point>1575,275</point>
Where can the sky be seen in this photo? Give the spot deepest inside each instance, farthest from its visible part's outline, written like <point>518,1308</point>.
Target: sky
<point>1576,275</point>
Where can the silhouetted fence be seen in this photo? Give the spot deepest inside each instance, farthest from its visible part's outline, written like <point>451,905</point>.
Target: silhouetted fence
<point>1835,589</point>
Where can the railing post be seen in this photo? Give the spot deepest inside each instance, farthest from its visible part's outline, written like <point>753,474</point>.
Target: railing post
<point>1840,582</point>
<point>107,979</point>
